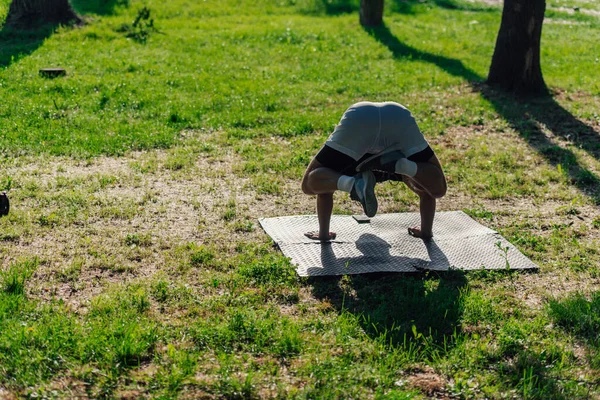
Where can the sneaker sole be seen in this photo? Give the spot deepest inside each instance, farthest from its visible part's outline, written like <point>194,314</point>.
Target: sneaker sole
<point>370,201</point>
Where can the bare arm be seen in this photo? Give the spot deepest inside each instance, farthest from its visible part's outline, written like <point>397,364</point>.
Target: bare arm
<point>427,209</point>
<point>322,182</point>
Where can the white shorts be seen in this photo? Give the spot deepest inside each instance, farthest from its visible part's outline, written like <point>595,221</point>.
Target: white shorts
<point>370,128</point>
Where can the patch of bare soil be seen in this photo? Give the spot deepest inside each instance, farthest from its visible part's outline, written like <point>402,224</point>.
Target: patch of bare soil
<point>6,395</point>
<point>174,208</point>
<point>430,383</point>
<point>575,10</point>
<point>568,10</point>
<point>171,207</point>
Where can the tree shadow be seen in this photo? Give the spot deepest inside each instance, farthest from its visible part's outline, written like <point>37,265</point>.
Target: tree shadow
<point>540,121</point>
<point>397,307</point>
<point>392,304</point>
<point>16,44</point>
<point>402,51</point>
<point>98,7</point>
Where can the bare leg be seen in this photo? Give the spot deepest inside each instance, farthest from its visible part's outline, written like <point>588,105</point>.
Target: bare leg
<point>430,177</point>
<point>427,209</point>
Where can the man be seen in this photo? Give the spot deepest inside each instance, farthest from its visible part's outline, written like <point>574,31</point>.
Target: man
<point>374,142</point>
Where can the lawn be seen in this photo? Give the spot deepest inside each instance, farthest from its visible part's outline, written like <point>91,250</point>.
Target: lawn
<point>132,264</point>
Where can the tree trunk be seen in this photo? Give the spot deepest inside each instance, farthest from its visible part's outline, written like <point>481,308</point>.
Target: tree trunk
<point>371,12</point>
<point>516,60</point>
<point>32,13</point>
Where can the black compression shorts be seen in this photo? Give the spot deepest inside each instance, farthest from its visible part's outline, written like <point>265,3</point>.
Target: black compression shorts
<point>344,164</point>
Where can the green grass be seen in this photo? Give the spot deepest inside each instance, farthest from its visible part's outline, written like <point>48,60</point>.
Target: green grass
<point>132,261</point>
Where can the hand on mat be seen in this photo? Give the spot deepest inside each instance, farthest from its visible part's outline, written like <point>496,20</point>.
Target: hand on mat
<point>315,236</point>
<point>416,232</point>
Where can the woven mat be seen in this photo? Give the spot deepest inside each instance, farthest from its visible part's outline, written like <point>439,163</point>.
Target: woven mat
<point>384,245</point>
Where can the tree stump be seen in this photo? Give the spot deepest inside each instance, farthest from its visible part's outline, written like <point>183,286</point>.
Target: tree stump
<point>28,14</point>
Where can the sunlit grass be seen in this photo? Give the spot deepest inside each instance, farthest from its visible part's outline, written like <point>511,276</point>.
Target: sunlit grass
<point>133,263</point>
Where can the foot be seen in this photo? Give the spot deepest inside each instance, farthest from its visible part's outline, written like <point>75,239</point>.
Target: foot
<point>4,204</point>
<point>364,192</point>
<point>315,236</point>
<point>416,232</point>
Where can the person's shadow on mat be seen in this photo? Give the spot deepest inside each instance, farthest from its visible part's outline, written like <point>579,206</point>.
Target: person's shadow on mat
<point>439,261</point>
<point>376,252</point>
<point>391,304</point>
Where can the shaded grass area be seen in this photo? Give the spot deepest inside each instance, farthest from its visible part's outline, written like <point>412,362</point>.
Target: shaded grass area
<point>20,43</point>
<point>144,274</point>
<point>17,44</point>
<point>529,117</point>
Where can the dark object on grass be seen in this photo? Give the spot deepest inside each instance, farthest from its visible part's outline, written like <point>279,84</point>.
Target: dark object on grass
<point>52,72</point>
<point>4,204</point>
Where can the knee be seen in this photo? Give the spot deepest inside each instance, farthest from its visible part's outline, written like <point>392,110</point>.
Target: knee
<point>439,191</point>
<point>306,187</point>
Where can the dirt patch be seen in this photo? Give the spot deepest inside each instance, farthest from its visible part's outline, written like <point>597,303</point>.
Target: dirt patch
<point>555,21</point>
<point>168,208</point>
<point>488,2</point>
<point>135,220</point>
<point>6,395</point>
<point>576,10</point>
<point>429,383</point>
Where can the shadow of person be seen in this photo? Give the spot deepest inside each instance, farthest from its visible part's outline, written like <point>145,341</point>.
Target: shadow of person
<point>437,259</point>
<point>392,306</point>
<point>370,253</point>
<point>373,254</point>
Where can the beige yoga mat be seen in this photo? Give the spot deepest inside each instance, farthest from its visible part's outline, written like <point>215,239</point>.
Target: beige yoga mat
<point>383,245</point>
